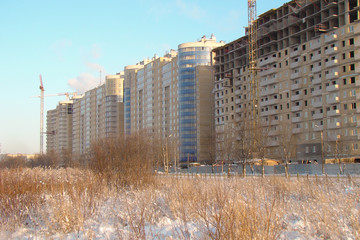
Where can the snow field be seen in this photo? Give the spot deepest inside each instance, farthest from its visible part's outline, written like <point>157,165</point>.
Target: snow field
<point>78,204</point>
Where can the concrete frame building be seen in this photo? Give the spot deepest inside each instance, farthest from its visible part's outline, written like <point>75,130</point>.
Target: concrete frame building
<point>308,78</point>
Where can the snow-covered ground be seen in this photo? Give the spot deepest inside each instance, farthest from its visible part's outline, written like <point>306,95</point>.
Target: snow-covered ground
<point>186,208</point>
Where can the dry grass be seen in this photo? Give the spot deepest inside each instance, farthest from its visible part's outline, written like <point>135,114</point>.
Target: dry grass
<point>47,202</point>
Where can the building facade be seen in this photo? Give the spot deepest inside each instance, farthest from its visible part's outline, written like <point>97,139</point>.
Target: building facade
<point>171,97</point>
<point>59,128</point>
<point>308,75</point>
<point>192,55</point>
<point>97,114</point>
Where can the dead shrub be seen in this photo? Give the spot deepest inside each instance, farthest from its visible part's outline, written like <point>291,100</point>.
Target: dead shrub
<point>124,162</point>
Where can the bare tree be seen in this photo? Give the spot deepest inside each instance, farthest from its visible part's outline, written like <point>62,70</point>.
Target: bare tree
<point>287,145</point>
<point>242,146</point>
<point>259,135</point>
<point>336,148</point>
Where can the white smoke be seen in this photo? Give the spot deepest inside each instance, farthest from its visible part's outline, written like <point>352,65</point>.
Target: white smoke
<point>83,82</point>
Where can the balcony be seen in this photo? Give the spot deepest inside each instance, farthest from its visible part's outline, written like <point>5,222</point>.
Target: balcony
<point>274,122</point>
<point>332,88</point>
<point>330,38</point>
<point>272,143</point>
<point>295,75</point>
<point>294,64</point>
<point>316,80</point>
<point>295,86</point>
<point>333,125</point>
<point>270,112</point>
<point>269,102</point>
<point>295,97</point>
<point>273,132</point>
<point>316,57</point>
<point>332,113</point>
<point>294,53</point>
<point>237,101</point>
<point>267,60</point>
<point>268,82</point>
<point>318,128</point>
<point>296,130</point>
<point>267,72</point>
<point>318,116</point>
<point>333,100</point>
<point>316,69</point>
<point>237,92</point>
<point>295,108</point>
<point>296,119</point>
<point>316,92</point>
<point>317,104</point>
<point>331,75</point>
<point>315,44</point>
<point>331,63</point>
<point>330,51</point>
<point>269,92</point>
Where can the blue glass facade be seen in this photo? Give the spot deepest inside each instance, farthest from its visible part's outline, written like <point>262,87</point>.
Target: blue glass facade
<point>127,111</point>
<point>188,59</point>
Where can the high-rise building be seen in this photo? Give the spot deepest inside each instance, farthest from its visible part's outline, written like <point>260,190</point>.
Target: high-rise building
<point>192,55</point>
<point>308,74</point>
<point>149,87</point>
<point>59,128</point>
<point>97,114</point>
<point>171,97</point>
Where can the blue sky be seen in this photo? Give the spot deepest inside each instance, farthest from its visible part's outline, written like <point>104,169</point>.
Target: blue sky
<point>70,42</point>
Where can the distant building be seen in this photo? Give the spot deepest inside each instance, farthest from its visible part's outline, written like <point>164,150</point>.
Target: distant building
<point>85,119</point>
<point>59,128</point>
<point>308,78</point>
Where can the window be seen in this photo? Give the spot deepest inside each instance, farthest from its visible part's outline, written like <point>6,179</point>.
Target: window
<point>314,149</point>
<point>355,146</point>
<point>352,80</point>
<point>344,81</point>
<point>351,41</point>
<point>351,54</point>
<point>352,67</point>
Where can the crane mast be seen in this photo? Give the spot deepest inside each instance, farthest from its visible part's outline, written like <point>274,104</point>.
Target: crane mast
<point>42,90</point>
<point>252,57</point>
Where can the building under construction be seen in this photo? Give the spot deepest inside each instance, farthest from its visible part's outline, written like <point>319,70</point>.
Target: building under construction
<point>307,78</point>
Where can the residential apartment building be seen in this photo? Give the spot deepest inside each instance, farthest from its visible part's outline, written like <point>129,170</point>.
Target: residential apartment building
<point>194,103</point>
<point>308,79</point>
<point>171,97</point>
<point>59,128</point>
<point>150,104</point>
<point>95,115</point>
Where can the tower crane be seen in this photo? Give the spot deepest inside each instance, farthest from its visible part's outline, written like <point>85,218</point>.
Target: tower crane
<point>42,98</point>
<point>252,55</point>
<point>42,90</point>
